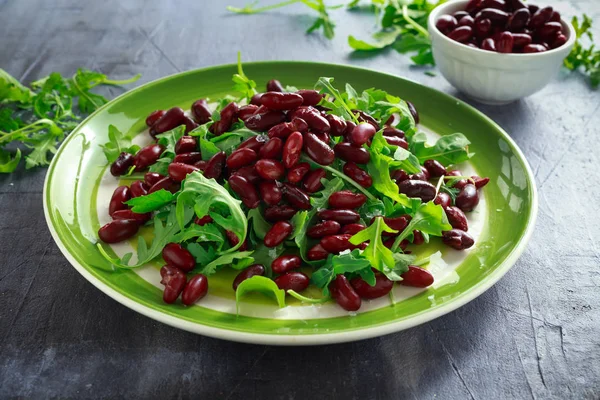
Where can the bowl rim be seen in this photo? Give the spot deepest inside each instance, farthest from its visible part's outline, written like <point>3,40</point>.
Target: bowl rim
<point>434,31</point>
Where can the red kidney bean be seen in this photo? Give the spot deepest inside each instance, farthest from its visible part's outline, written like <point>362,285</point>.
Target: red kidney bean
<point>460,184</point>
<point>234,240</point>
<point>341,216</point>
<point>122,164</point>
<point>278,233</point>
<point>190,124</point>
<point>454,172</point>
<point>396,141</point>
<point>246,111</point>
<point>518,20</point>
<point>272,149</point>
<point>534,48</point>
<point>292,149</point>
<point>152,177</point>
<point>521,40</point>
<point>435,168</point>
<point>389,243</point>
<point>299,124</point>
<point>118,199</point>
<point>317,252</point>
<point>349,128</point>
<point>337,243</point>
<point>240,158</point>
<point>270,193</point>
<point>399,175</point>
<point>558,41</point>
<point>457,218</point>
<point>459,14</point>
<point>416,277</point>
<point>346,199</point>
<point>285,263</point>
<point>207,219</point>
<point>174,281</point>
<point>467,198</point>
<point>118,230</point>
<point>352,229</point>
<point>245,190</point>
<point>446,24</point>
<point>165,183</point>
<point>418,238</point>
<point>471,44</point>
<point>461,34</point>
<point>397,223</point>
<point>297,172</point>
<point>313,118</point>
<point>274,86</point>
<point>343,294</point>
<point>296,281</point>
<point>255,143</point>
<point>195,289</point>
<point>153,117</point>
<point>421,176</point>
<point>253,270</point>
<point>348,152</point>
<point>548,31</point>
<point>338,125</point>
<point>171,119</point>
<point>366,118</point>
<point>255,100</point>
<point>497,4</point>
<point>176,255</point>
<point>270,169</point>
<point>138,188</point>
<point>457,239</point>
<point>554,17</point>
<point>281,101</point>
<point>201,112</point>
<point>391,131</point>
<point>361,176</point>
<point>229,115</point>
<point>310,97</point>
<point>178,171</point>
<point>493,14</point>
<point>488,44</point>
<point>473,6</point>
<point>248,172</point>
<point>540,17</point>
<point>361,134</point>
<point>421,189</point>
<point>505,42</point>
<point>147,156</point>
<point>312,181</point>
<point>479,182</point>
<point>128,214</point>
<point>279,213</point>
<point>296,197</point>
<point>264,119</point>
<point>532,8</point>
<point>324,137</point>
<point>514,5</point>
<point>323,229</point>
<point>443,199</point>
<point>186,144</point>
<point>282,130</point>
<point>188,158</point>
<point>466,21</point>
<point>382,286</point>
<point>483,27</point>
<point>318,150</point>
<point>214,167</point>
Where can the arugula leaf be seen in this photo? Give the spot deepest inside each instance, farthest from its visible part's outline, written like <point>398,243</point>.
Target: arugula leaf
<point>305,299</point>
<point>429,218</point>
<point>352,262</point>
<point>84,80</point>
<point>260,284</point>
<point>229,141</point>
<point>377,254</point>
<point>205,233</point>
<point>449,149</point>
<point>588,59</point>
<point>226,259</point>
<point>242,84</point>
<point>168,140</point>
<point>8,163</point>
<point>117,144</point>
<point>259,224</point>
<point>381,39</point>
<point>401,263</point>
<point>203,255</point>
<point>325,86</point>
<point>11,89</point>
<point>151,202</point>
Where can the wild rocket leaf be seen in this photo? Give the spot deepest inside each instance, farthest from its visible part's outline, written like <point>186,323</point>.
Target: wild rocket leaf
<point>151,202</point>
<point>263,285</point>
<point>449,149</point>
<point>117,144</point>
<point>352,262</point>
<point>429,218</point>
<point>7,163</point>
<point>377,254</point>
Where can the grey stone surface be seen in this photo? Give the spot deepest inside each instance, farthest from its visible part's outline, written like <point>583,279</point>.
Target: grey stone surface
<point>536,334</point>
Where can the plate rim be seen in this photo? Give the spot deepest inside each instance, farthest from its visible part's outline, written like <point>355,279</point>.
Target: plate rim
<point>304,339</point>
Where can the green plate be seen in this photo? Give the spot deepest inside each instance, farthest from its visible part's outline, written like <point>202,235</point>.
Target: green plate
<point>77,186</point>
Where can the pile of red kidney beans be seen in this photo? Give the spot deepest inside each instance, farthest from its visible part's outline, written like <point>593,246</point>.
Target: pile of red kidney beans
<point>504,26</point>
<point>266,170</point>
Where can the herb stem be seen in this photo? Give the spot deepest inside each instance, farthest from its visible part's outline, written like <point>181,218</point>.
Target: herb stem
<point>349,180</point>
<point>122,81</point>
<point>307,299</point>
<point>412,22</point>
<point>249,10</point>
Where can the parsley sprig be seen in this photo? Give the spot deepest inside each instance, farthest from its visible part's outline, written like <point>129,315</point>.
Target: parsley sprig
<point>587,59</point>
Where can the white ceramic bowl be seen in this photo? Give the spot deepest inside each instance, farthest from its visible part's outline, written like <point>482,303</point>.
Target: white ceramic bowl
<point>489,77</point>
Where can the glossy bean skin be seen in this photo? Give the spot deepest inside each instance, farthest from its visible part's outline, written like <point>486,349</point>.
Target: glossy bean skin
<point>274,86</point>
<point>344,294</point>
<point>336,243</point>
<point>153,117</point>
<point>338,125</point>
<point>347,152</point>
<point>459,14</point>
<point>170,119</point>
<point>391,131</point>
<point>488,44</point>
<point>278,233</point>
<point>396,141</point>
<point>352,229</point>
<point>324,137</point>
<point>298,172</point>
<point>279,213</point>
<point>316,122</point>
<point>558,41</point>
<point>416,277</point>
<point>493,14</point>
<point>271,149</point>
<point>128,214</point>
<point>534,48</point>
<point>540,17</point>
<point>240,158</point>
<point>207,219</point>
<point>176,255</point>
<point>483,26</point>
<point>285,263</point>
<point>346,199</point>
<point>421,176</point>
<point>363,117</point>
<point>296,197</point>
<point>138,188</point>
<point>282,130</point>
<point>418,238</point>
<point>245,190</point>
<point>190,124</point>
<point>281,101</point>
<point>323,229</point>
<point>361,176</point>
<point>518,20</point>
<point>361,134</point>
<point>178,171</point>
<point>255,100</point>
<point>215,165</point>
<point>195,289</point>
<point>254,143</point>
<point>473,6</point>
<point>270,169</point>
<point>457,218</point>
<point>342,216</point>
<point>521,40</point>
<point>479,182</point>
<point>457,239</point>
<point>399,175</point>
<point>310,97</point>
<point>118,230</point>
<point>382,286</point>
<point>548,31</point>
<point>443,199</point>
<point>421,189</point>
<point>292,149</point>
<point>118,199</point>
<point>270,193</point>
<point>467,20</point>
<point>299,124</point>
<point>467,198</point>
<point>317,252</point>
<point>446,24</point>
<point>228,116</point>
<point>152,177</point>
<point>147,156</point>
<point>435,168</point>
<point>312,181</point>
<point>186,144</point>
<point>234,240</point>
<point>505,42</point>
<point>165,183</point>
<point>122,164</point>
<point>253,270</point>
<point>296,281</point>
<point>264,119</point>
<point>174,281</point>
<point>398,223</point>
<point>201,112</point>
<point>249,172</point>
<point>246,111</point>
<point>188,158</point>
<point>461,34</point>
<point>318,150</point>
